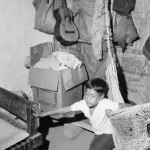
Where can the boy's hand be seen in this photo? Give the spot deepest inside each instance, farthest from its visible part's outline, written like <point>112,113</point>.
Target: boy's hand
<point>36,110</point>
<point>108,112</point>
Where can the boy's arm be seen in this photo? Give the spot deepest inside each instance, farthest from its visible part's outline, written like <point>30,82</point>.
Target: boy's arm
<point>124,105</point>
<point>121,106</point>
<point>55,111</point>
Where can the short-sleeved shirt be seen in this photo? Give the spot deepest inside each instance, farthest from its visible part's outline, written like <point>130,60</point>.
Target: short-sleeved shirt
<point>100,122</point>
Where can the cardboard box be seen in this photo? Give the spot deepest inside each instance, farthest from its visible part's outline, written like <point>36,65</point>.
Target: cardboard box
<point>55,89</point>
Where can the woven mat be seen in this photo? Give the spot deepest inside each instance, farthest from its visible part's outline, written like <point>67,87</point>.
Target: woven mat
<point>9,135</point>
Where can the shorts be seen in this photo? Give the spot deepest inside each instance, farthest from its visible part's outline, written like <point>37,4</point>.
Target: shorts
<point>102,142</point>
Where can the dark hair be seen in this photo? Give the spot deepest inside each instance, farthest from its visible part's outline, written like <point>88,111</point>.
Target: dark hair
<point>99,85</point>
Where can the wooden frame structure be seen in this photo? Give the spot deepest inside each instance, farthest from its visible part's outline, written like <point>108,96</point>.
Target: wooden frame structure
<point>22,109</point>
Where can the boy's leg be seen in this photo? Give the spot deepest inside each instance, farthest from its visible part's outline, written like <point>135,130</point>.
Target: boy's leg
<point>102,142</point>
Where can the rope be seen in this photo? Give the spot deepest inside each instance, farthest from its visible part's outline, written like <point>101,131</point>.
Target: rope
<point>111,71</point>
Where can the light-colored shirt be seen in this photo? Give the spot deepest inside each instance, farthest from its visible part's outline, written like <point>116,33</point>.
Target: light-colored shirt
<point>100,122</point>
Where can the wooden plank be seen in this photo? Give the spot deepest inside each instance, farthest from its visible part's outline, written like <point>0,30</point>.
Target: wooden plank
<point>15,104</point>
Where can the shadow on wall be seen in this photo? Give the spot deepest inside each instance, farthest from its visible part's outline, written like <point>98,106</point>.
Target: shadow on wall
<point>123,85</point>
<point>122,82</point>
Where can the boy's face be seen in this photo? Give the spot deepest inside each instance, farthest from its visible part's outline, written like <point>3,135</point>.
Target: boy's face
<point>91,97</point>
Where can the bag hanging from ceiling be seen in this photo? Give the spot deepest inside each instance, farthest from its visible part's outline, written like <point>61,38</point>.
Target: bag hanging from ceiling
<point>123,7</point>
<point>44,19</point>
<point>125,32</point>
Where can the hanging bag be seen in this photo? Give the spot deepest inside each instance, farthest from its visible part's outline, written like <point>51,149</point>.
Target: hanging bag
<point>125,32</point>
<point>44,19</point>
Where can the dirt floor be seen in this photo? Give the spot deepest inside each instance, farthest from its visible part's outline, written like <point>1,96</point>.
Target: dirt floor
<point>55,139</point>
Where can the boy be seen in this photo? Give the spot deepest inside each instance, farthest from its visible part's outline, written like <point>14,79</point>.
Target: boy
<point>93,106</point>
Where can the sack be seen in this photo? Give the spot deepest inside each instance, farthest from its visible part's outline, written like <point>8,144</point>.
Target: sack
<point>125,32</point>
<point>131,127</point>
<point>44,19</point>
<point>123,7</point>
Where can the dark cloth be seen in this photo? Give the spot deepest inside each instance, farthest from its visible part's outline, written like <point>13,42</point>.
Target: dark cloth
<point>123,7</point>
<point>146,49</point>
<point>102,142</point>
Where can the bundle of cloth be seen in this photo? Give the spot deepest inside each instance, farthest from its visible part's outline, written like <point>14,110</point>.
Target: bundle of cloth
<point>131,127</point>
<point>59,61</point>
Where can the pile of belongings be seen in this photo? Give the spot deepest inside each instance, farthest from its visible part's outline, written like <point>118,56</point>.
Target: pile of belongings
<point>59,61</point>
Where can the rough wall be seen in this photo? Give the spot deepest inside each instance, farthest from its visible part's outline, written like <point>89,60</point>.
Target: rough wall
<point>135,66</point>
<point>17,35</point>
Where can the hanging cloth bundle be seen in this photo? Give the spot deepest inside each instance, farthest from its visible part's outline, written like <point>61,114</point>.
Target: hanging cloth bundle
<point>111,71</point>
<point>44,18</point>
<point>125,32</point>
